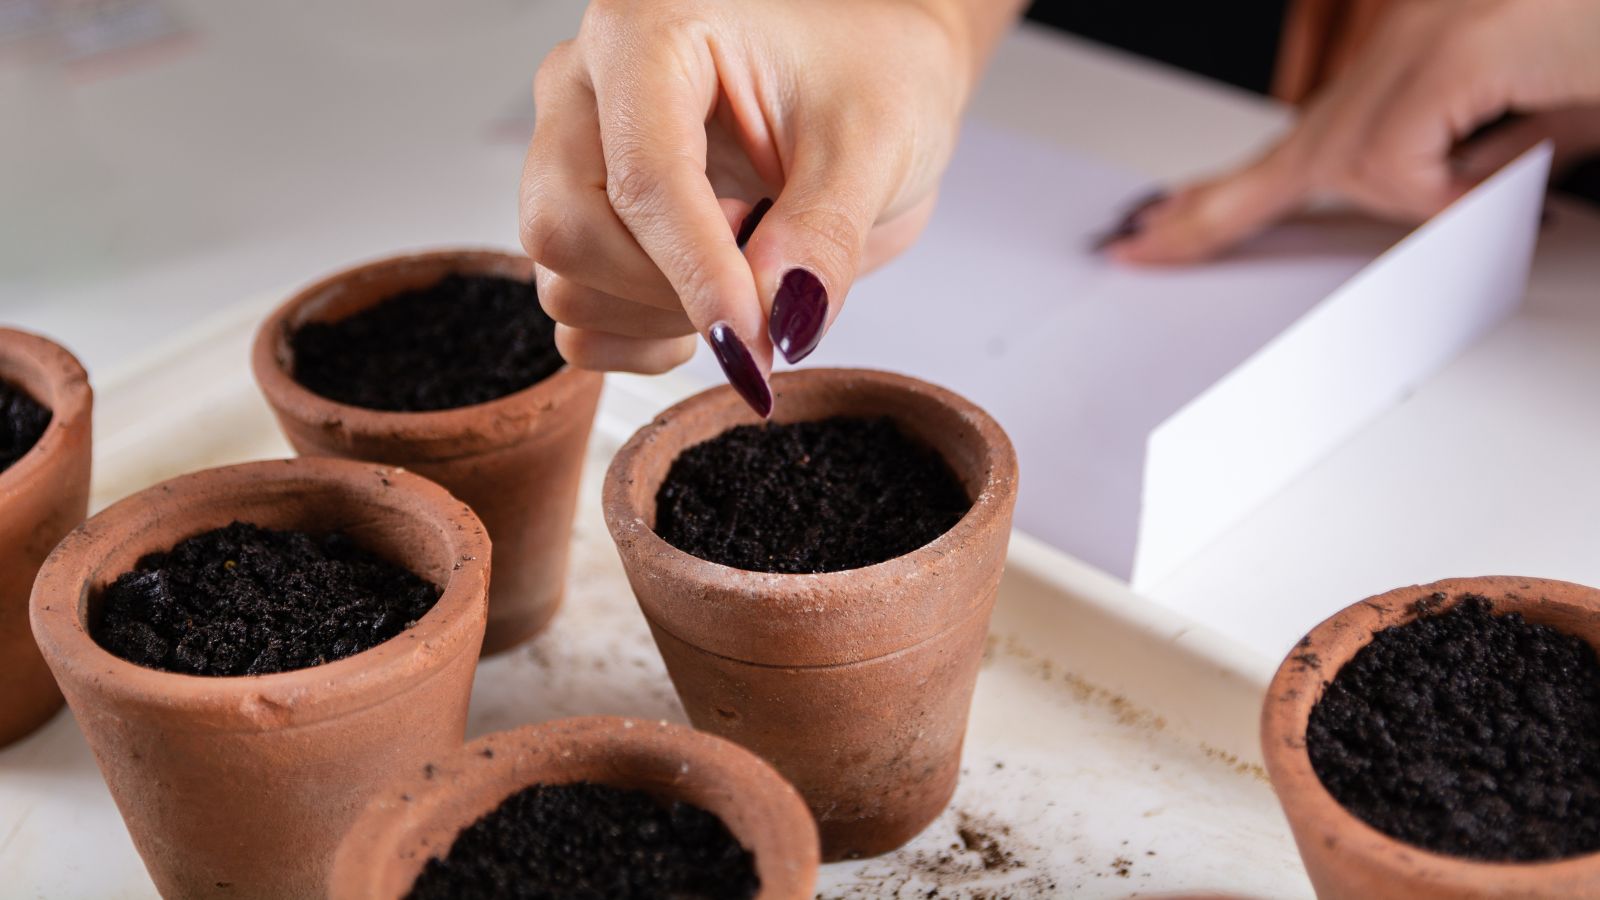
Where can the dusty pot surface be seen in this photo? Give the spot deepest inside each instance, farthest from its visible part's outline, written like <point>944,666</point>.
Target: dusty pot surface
<point>242,786</point>
<point>855,684</point>
<point>1346,857</point>
<point>515,460</point>
<point>43,495</point>
<point>417,817</point>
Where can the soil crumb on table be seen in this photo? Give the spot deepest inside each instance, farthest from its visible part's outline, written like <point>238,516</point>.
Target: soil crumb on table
<point>823,496</point>
<point>468,339</point>
<point>983,860</point>
<point>246,600</point>
<point>22,423</point>
<point>591,841</point>
<point>1467,733</point>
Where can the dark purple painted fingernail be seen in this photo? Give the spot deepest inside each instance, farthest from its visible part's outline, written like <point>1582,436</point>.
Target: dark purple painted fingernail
<point>751,220</point>
<point>1130,223</point>
<point>741,369</point>
<point>799,311</point>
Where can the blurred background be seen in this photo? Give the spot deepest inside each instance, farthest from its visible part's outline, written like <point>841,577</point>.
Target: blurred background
<point>162,158</point>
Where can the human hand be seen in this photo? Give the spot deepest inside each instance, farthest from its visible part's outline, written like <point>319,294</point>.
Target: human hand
<point>1386,136</point>
<point>845,111</point>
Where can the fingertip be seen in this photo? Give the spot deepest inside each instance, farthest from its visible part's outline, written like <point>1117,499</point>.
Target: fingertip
<point>740,366</point>
<point>1155,246</point>
<point>749,222</point>
<point>799,314</point>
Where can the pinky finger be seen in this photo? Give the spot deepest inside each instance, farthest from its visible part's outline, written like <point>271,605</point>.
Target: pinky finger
<point>605,352</point>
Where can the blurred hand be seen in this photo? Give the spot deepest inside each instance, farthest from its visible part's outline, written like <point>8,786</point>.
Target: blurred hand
<point>1386,136</point>
<point>665,120</point>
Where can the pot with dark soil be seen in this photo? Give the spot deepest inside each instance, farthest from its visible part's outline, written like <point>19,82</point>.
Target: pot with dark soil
<point>587,807</point>
<point>820,587</point>
<point>1443,740</point>
<point>444,363</point>
<point>252,650</point>
<point>45,411</point>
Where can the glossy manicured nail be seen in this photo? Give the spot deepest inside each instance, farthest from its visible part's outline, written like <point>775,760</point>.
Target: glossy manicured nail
<point>741,369</point>
<point>1131,222</point>
<point>799,310</point>
<point>751,220</point>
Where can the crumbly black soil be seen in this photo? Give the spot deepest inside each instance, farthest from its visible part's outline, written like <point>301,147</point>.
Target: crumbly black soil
<point>591,842</point>
<point>245,600</point>
<point>22,422</point>
<point>468,339</point>
<point>1467,733</point>
<point>823,496</point>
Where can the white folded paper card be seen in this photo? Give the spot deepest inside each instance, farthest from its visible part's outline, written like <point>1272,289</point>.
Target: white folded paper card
<point>1151,409</point>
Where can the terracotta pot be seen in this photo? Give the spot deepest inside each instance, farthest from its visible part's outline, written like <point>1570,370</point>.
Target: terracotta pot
<point>44,495</point>
<point>855,684</point>
<point>418,816</point>
<point>516,460</point>
<point>242,786</point>
<point>1347,858</point>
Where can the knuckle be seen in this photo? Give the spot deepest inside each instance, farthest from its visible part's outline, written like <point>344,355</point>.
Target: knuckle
<point>831,234</point>
<point>575,347</point>
<point>558,300</point>
<point>554,69</point>
<point>542,231</point>
<point>633,186</point>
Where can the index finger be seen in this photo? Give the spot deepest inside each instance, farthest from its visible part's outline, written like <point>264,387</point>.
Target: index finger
<point>654,97</point>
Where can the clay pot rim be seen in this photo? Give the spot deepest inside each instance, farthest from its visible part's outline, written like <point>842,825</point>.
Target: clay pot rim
<point>69,401</point>
<point>291,397</point>
<point>626,519</point>
<point>1298,685</point>
<point>281,700</point>
<point>786,860</point>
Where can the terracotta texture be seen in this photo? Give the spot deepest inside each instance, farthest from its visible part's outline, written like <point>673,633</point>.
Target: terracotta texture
<point>516,460</point>
<point>242,786</point>
<point>1345,857</point>
<point>854,684</point>
<point>44,495</point>
<point>418,816</point>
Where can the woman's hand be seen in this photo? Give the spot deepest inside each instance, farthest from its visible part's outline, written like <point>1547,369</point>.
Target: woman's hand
<point>1387,134</point>
<point>664,122</point>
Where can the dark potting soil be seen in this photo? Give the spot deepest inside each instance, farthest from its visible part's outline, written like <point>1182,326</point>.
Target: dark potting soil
<point>468,339</point>
<point>1467,733</point>
<point>583,841</point>
<point>246,600</point>
<point>22,422</point>
<point>823,496</point>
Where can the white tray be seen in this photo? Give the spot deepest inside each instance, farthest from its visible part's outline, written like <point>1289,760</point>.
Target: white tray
<point>1112,750</point>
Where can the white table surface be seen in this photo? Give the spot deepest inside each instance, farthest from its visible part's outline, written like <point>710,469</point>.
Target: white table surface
<point>281,141</point>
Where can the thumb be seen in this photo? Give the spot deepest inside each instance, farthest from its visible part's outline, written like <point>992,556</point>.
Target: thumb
<point>1205,220</point>
<point>808,247</point>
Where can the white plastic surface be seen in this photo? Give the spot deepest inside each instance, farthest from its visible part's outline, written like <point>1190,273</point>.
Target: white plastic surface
<point>1111,751</point>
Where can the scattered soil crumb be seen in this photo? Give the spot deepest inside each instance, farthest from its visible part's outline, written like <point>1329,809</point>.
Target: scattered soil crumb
<point>981,860</point>
<point>1124,710</point>
<point>986,845</point>
<point>1232,761</point>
